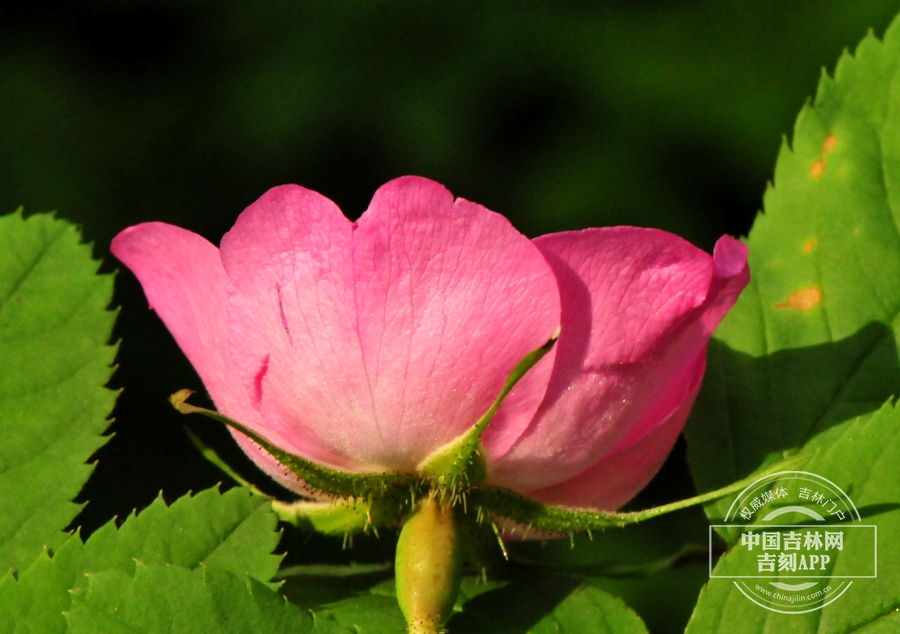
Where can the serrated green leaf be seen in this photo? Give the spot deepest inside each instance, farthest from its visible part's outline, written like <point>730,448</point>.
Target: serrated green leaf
<point>532,605</point>
<point>368,613</point>
<point>862,461</point>
<point>810,350</point>
<point>54,327</point>
<point>234,532</point>
<point>542,605</point>
<point>173,600</point>
<point>812,342</point>
<point>312,585</point>
<point>657,568</point>
<point>35,602</point>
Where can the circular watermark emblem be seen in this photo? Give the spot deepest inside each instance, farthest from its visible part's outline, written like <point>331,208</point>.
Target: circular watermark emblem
<point>791,529</point>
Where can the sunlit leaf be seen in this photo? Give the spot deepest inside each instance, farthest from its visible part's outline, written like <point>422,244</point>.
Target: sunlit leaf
<point>233,532</point>
<point>864,459</point>
<point>808,357</point>
<point>532,605</point>
<point>173,600</point>
<point>812,342</point>
<point>54,362</point>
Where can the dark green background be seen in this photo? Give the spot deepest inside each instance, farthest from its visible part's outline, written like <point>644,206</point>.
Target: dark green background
<point>559,115</point>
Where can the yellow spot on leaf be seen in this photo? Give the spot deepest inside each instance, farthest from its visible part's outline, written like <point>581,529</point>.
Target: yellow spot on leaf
<point>856,232</point>
<point>804,299</point>
<point>817,169</point>
<point>829,144</point>
<point>809,246</point>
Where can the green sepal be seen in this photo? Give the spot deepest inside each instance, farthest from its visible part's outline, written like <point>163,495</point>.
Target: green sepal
<point>341,517</point>
<point>342,484</point>
<point>210,454</point>
<point>328,518</point>
<point>460,465</point>
<point>494,502</point>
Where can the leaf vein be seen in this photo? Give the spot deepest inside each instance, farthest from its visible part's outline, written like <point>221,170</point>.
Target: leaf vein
<point>29,269</point>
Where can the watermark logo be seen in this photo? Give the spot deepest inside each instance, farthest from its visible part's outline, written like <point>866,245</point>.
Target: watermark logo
<point>799,543</point>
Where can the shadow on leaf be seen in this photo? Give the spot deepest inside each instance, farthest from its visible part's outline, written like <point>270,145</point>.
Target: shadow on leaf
<point>751,408</point>
<point>514,608</point>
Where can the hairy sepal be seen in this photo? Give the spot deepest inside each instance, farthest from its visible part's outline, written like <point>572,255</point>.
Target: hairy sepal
<point>341,516</point>
<point>455,475</point>
<point>341,484</point>
<point>454,468</point>
<point>527,515</point>
<point>460,464</point>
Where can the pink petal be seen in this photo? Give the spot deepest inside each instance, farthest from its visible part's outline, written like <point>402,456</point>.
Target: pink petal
<point>388,337</point>
<point>629,467</point>
<point>638,307</point>
<point>185,283</point>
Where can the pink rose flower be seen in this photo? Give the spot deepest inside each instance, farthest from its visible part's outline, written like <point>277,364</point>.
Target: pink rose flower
<point>366,346</point>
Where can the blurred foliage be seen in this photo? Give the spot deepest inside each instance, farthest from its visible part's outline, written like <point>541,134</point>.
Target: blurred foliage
<point>558,114</point>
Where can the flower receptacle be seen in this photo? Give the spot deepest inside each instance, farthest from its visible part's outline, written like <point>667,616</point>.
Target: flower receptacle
<point>428,566</point>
